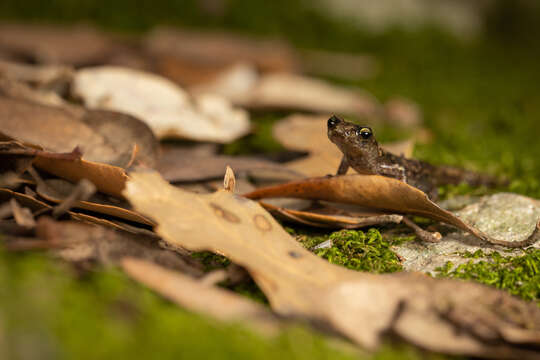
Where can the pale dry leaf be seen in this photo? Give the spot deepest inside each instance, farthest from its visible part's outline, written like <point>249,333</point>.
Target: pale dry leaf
<point>163,105</point>
<point>289,91</point>
<point>197,296</point>
<point>243,86</point>
<point>361,306</point>
<point>229,181</point>
<point>22,215</point>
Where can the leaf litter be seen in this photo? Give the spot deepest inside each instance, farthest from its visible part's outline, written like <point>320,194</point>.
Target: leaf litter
<point>440,315</point>
<point>94,149</point>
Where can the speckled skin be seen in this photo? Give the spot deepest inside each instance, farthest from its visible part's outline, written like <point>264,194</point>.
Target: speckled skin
<point>362,152</point>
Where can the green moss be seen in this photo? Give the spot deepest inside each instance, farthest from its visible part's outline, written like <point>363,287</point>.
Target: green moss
<point>519,275</point>
<point>361,251</point>
<point>49,312</point>
<point>249,288</point>
<point>210,260</point>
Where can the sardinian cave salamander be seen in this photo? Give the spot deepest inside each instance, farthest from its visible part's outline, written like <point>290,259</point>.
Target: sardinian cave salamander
<point>362,152</point>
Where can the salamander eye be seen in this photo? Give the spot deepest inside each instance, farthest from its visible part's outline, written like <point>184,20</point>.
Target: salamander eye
<point>365,132</point>
<point>333,121</point>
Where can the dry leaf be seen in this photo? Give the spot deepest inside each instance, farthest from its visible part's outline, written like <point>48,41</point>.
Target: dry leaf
<point>440,315</point>
<point>328,217</point>
<point>199,297</point>
<point>107,178</point>
<point>57,190</point>
<point>46,44</point>
<point>79,242</point>
<point>308,133</point>
<point>26,201</point>
<point>379,192</point>
<point>40,207</point>
<point>22,216</point>
<point>163,105</point>
<point>43,76</point>
<point>243,86</point>
<point>184,165</point>
<point>193,57</point>
<point>21,91</point>
<point>104,137</point>
<point>15,157</point>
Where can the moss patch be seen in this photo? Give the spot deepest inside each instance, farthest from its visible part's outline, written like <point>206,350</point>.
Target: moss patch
<point>519,275</point>
<point>354,249</point>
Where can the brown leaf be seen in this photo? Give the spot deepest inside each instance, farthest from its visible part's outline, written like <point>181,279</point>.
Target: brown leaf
<point>57,191</point>
<point>15,157</point>
<point>107,178</point>
<point>79,242</point>
<point>40,207</point>
<point>378,192</point>
<point>189,57</point>
<point>46,44</point>
<point>22,91</point>
<point>53,77</point>
<point>428,312</point>
<point>200,297</point>
<point>321,218</point>
<point>185,165</point>
<point>26,201</point>
<point>308,133</point>
<point>104,137</point>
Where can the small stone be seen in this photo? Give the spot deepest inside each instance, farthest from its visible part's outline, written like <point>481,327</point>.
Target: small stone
<point>503,216</point>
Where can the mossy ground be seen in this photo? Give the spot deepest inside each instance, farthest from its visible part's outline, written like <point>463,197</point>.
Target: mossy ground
<point>519,275</point>
<point>481,101</point>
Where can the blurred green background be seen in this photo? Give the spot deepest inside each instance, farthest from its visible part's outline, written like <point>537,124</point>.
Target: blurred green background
<point>480,96</point>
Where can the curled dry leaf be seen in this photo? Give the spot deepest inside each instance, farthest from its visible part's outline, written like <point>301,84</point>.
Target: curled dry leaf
<point>379,192</point>
<point>185,165</point>
<point>243,86</point>
<point>58,190</point>
<point>189,57</point>
<point>108,179</point>
<point>200,297</point>
<point>46,44</point>
<point>40,207</point>
<point>308,133</point>
<point>441,315</point>
<point>163,105</point>
<point>335,219</point>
